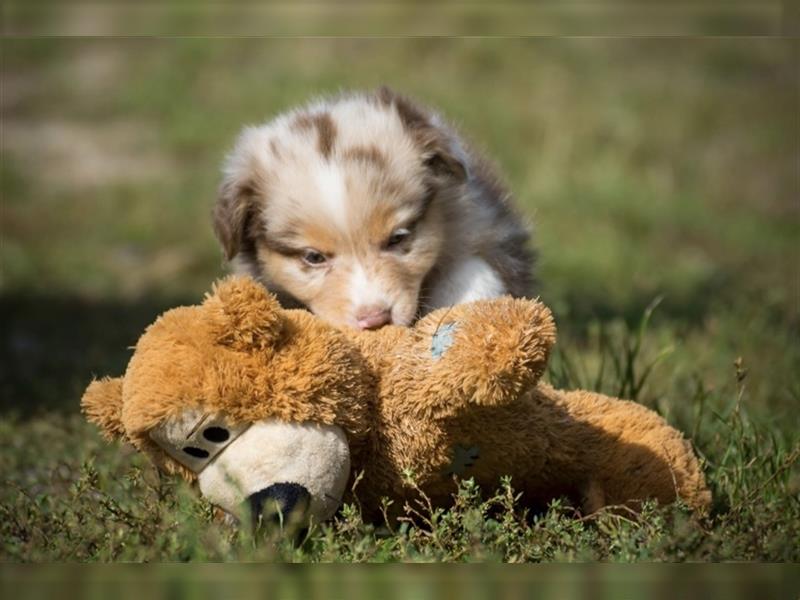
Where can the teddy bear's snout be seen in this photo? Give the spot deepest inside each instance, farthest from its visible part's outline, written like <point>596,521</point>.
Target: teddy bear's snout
<point>280,504</point>
<point>274,471</point>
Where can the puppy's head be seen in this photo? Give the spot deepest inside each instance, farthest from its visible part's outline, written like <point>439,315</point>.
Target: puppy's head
<point>343,205</point>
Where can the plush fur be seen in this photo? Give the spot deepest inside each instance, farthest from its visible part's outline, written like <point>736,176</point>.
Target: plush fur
<point>369,209</point>
<point>457,394</point>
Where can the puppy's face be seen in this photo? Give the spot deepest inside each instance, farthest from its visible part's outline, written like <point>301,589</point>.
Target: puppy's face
<point>341,207</point>
<point>349,243</point>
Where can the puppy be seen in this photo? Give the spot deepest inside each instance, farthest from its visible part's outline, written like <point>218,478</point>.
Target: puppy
<point>368,210</point>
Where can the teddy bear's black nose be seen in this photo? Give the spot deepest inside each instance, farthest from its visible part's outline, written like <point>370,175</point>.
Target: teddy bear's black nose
<point>280,503</point>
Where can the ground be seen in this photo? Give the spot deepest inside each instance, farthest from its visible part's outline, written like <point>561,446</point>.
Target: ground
<point>660,176</point>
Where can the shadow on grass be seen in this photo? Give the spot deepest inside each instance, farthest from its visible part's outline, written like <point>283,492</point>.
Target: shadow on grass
<point>576,306</point>
<point>52,346</point>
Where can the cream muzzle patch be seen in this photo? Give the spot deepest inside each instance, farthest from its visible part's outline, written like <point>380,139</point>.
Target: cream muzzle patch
<point>258,456</point>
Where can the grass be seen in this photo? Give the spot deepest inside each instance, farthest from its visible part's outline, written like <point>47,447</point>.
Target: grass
<point>97,502</point>
<point>660,174</point>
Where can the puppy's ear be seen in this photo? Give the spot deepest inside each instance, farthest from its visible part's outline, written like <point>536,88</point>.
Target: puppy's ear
<point>236,214</point>
<point>233,213</point>
<point>441,152</point>
<point>444,163</point>
<point>102,405</point>
<point>245,314</point>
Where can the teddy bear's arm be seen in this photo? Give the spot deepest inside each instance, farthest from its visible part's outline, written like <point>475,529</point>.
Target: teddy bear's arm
<point>487,353</point>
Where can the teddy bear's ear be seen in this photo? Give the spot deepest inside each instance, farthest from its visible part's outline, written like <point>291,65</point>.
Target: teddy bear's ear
<point>245,314</point>
<point>102,405</point>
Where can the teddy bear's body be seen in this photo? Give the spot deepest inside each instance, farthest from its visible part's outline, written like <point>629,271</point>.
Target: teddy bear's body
<point>456,396</point>
<point>593,449</point>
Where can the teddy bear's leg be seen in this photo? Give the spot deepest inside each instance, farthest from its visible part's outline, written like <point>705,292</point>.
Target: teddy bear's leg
<point>630,453</point>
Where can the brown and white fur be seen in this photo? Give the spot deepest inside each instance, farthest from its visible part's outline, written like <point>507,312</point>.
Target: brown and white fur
<point>367,210</point>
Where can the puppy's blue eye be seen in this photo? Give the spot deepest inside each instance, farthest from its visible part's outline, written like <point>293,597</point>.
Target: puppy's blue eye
<point>398,237</point>
<point>313,258</point>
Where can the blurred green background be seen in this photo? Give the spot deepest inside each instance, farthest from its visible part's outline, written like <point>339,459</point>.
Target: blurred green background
<point>405,582</point>
<point>648,166</point>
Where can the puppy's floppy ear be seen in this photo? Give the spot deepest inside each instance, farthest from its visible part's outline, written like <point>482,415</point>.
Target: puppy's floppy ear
<point>233,214</point>
<point>102,405</point>
<point>245,315</point>
<point>236,214</point>
<point>443,163</point>
<point>441,153</point>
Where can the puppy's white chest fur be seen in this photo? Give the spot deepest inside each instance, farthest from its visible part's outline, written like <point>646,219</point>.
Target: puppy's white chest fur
<point>471,278</point>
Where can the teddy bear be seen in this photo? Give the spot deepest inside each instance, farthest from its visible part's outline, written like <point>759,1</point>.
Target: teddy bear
<point>256,404</point>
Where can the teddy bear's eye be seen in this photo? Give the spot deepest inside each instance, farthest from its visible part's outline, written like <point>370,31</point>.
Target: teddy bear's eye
<point>196,452</point>
<point>216,434</point>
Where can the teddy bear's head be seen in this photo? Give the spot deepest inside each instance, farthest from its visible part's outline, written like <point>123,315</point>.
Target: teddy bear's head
<point>254,402</point>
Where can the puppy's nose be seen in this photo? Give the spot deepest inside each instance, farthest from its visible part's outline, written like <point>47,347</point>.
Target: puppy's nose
<point>373,317</point>
<point>279,503</point>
